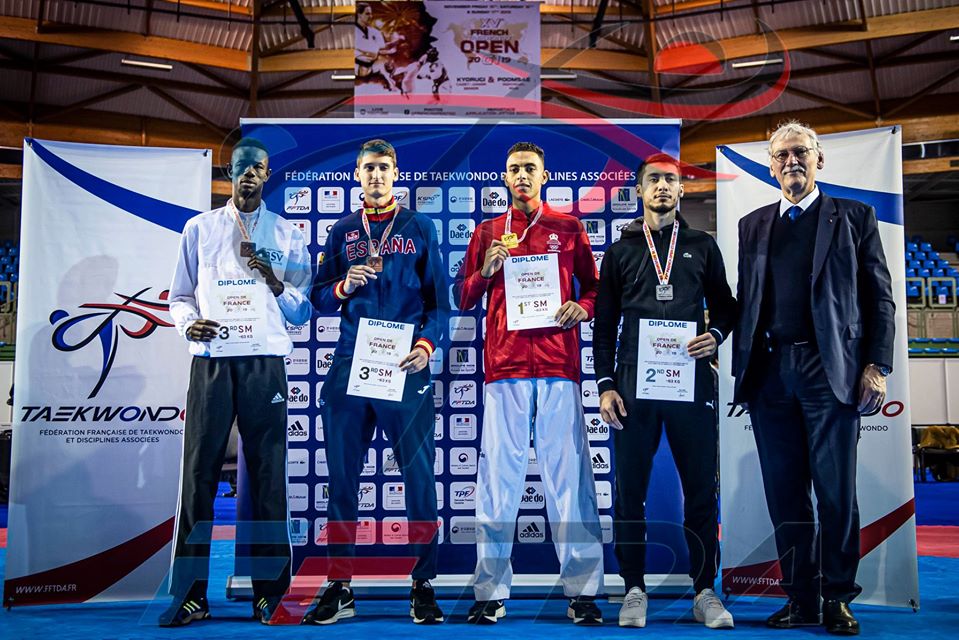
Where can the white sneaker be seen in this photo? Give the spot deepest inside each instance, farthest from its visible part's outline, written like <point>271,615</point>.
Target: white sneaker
<point>709,609</point>
<point>633,611</point>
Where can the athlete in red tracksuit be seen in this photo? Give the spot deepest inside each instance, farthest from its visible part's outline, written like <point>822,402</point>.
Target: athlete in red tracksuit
<point>532,387</point>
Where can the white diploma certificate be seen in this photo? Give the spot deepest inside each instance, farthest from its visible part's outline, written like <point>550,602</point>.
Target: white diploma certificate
<point>375,370</point>
<point>239,305</point>
<point>532,291</point>
<point>664,370</point>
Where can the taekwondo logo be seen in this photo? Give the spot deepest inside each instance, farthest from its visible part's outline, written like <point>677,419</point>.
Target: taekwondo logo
<point>297,199</point>
<point>463,394</point>
<point>109,319</point>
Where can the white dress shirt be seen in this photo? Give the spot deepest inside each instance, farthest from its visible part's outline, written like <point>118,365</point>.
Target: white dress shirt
<point>210,250</point>
<point>805,203</point>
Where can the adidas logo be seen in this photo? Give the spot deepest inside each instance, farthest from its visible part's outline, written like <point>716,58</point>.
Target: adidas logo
<point>598,459</point>
<point>531,532</point>
<point>277,398</point>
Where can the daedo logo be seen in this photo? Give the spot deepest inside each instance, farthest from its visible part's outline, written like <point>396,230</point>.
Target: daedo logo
<point>493,199</point>
<point>460,231</point>
<point>107,328</point>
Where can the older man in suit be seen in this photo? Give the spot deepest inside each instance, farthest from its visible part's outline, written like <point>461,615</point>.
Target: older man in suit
<point>812,349</point>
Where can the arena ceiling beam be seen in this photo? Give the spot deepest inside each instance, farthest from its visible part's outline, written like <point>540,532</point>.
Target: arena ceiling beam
<point>795,39</point>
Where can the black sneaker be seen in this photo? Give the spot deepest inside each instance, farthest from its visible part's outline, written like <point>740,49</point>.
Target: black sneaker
<point>423,607</point>
<point>486,612</point>
<point>336,603</point>
<point>583,610</point>
<point>183,612</point>
<point>263,609</point>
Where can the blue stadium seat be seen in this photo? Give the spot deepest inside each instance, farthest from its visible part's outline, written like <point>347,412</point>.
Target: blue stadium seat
<point>924,273</point>
<point>914,264</point>
<point>922,340</point>
<point>932,350</point>
<point>950,351</point>
<point>912,291</point>
<point>919,255</point>
<point>925,246</point>
<point>929,264</point>
<point>942,264</point>
<point>939,273</point>
<point>913,351</point>
<point>910,273</point>
<point>912,246</point>
<point>940,340</point>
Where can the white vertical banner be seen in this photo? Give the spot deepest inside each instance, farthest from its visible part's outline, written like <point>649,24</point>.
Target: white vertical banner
<point>888,571</point>
<point>101,374</point>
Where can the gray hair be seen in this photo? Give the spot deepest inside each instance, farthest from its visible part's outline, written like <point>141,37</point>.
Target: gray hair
<point>790,127</point>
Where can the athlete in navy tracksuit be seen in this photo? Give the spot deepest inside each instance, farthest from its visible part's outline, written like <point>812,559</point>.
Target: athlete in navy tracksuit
<point>381,262</point>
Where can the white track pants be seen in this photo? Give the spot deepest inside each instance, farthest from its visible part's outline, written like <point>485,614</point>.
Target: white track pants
<point>552,408</point>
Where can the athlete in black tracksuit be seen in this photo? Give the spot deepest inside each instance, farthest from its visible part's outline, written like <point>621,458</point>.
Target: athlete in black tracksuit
<point>627,289</point>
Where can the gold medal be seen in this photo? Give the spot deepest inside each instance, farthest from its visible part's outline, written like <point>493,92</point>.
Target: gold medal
<point>511,240</point>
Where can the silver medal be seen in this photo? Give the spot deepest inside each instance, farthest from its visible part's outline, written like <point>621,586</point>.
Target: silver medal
<point>664,292</point>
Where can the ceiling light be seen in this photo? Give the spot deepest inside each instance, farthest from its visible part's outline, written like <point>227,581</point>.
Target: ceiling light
<point>756,63</point>
<point>147,64</point>
<point>336,75</point>
<point>557,75</point>
<point>953,38</point>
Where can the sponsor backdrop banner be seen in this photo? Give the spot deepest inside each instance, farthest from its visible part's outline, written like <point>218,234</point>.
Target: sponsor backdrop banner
<point>442,58</point>
<point>450,170</point>
<point>888,572</point>
<point>101,374</point>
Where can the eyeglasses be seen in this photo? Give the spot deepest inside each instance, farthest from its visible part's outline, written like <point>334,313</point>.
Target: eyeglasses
<point>799,152</point>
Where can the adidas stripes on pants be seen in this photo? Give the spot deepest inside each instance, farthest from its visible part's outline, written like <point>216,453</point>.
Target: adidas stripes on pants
<point>221,389</point>
<point>551,411</point>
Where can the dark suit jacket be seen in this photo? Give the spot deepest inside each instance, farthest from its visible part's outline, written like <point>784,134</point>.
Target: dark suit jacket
<point>852,307</point>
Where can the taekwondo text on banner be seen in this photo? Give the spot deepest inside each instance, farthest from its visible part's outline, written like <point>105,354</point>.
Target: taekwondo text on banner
<point>888,570</point>
<point>101,372</point>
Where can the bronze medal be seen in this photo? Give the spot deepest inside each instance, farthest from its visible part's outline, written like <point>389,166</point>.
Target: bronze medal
<point>376,262</point>
<point>247,249</point>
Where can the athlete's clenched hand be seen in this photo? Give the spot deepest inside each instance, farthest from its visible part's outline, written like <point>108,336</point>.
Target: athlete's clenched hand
<point>496,255</point>
<point>358,275</point>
